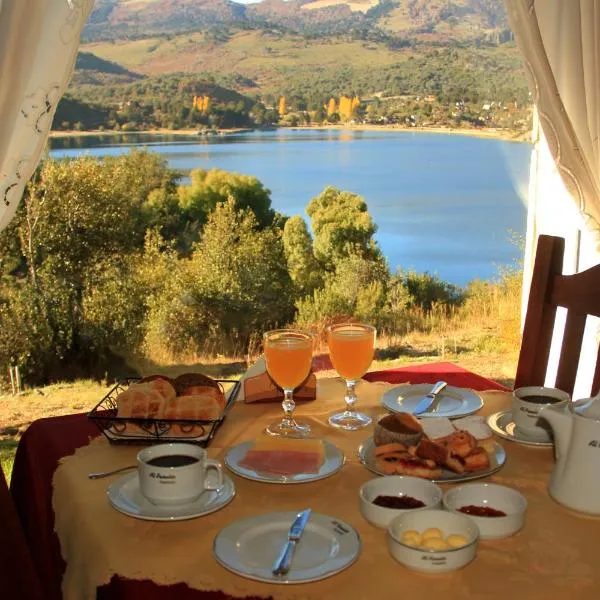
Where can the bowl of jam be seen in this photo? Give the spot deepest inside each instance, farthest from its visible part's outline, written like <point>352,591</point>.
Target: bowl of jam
<point>384,498</point>
<point>497,510</point>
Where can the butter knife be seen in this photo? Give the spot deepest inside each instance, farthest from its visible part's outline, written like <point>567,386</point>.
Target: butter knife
<point>284,561</point>
<point>428,401</point>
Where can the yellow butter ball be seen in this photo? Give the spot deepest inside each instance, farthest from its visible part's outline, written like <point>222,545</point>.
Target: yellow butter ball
<point>456,540</point>
<point>432,532</point>
<point>435,543</point>
<point>411,538</point>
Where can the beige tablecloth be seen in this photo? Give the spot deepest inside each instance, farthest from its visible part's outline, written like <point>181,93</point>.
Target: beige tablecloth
<point>555,555</point>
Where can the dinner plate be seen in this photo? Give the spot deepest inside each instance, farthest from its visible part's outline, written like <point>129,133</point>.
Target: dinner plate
<point>250,546</point>
<point>125,496</point>
<point>454,402</point>
<point>502,424</point>
<point>334,461</point>
<point>366,453</point>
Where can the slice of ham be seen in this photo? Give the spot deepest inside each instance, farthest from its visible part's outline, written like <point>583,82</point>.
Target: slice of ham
<point>282,463</point>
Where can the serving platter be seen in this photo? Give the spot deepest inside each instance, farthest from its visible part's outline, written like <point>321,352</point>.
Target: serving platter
<point>453,403</point>
<point>366,454</point>
<point>334,461</point>
<point>249,547</point>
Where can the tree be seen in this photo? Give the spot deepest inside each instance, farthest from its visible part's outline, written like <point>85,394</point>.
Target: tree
<point>215,186</point>
<point>281,106</point>
<point>304,270</point>
<point>342,226</point>
<point>331,107</point>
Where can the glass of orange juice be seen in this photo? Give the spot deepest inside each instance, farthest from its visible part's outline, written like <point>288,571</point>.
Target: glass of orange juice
<point>351,347</point>
<point>288,355</point>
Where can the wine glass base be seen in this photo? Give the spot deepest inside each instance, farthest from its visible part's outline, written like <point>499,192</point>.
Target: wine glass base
<point>285,429</point>
<point>350,420</point>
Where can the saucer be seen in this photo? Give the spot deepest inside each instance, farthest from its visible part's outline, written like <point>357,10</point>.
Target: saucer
<point>249,547</point>
<point>502,424</point>
<point>124,495</point>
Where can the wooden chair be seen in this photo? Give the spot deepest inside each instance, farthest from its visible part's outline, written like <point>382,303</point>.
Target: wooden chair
<point>18,577</point>
<point>579,294</point>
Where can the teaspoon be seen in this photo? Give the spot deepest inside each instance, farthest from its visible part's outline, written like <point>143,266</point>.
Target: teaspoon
<point>101,474</point>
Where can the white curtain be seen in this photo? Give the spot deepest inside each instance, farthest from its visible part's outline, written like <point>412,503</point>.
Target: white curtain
<point>38,47</point>
<point>560,44</point>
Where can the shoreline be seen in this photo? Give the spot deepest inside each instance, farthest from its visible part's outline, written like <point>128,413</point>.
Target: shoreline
<point>497,134</point>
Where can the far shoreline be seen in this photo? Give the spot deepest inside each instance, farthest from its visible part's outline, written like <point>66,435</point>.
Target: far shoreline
<point>489,133</point>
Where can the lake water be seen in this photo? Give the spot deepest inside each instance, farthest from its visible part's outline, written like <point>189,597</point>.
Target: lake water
<point>446,204</point>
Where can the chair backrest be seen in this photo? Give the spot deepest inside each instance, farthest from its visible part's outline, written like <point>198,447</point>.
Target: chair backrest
<point>18,578</point>
<point>579,294</point>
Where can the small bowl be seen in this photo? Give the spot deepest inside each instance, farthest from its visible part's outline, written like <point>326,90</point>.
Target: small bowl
<point>396,485</point>
<point>500,497</point>
<point>433,561</point>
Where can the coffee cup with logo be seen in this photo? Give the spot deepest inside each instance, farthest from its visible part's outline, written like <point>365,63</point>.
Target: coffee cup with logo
<point>526,405</point>
<point>175,474</point>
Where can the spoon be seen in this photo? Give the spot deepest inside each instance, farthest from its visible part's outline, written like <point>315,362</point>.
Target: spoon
<point>101,474</point>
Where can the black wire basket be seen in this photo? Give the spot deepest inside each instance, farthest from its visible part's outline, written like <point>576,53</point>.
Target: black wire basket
<point>130,430</point>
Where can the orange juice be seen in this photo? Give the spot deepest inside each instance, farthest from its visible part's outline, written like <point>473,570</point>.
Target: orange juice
<point>288,359</point>
<point>351,349</point>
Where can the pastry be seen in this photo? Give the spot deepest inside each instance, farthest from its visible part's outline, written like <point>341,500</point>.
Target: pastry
<point>476,425</point>
<point>400,428</point>
<point>188,380</point>
<point>477,459</point>
<point>459,443</point>
<point>140,401</point>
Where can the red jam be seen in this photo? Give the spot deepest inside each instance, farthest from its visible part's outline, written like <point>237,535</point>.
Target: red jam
<point>481,511</point>
<point>398,502</point>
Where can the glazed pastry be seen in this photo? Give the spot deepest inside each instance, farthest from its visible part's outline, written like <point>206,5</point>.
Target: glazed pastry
<point>478,459</point>
<point>459,443</point>
<point>478,428</point>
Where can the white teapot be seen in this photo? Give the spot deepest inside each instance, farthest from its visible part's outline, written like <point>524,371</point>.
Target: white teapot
<point>575,480</point>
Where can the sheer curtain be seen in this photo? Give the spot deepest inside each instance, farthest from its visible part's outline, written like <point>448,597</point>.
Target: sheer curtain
<point>38,47</point>
<point>560,45</point>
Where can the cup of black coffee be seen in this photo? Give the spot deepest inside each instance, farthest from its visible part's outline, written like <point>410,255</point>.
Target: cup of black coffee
<point>174,474</point>
<point>526,406</point>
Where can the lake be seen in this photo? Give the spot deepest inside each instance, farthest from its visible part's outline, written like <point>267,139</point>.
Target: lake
<point>446,204</point>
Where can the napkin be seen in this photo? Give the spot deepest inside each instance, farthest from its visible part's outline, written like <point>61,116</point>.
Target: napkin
<point>257,386</point>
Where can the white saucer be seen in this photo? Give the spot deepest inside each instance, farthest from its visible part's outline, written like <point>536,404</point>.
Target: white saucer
<point>125,496</point>
<point>334,461</point>
<point>454,402</point>
<point>502,424</point>
<point>250,546</point>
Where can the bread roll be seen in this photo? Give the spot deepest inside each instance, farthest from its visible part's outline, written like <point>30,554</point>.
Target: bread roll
<point>206,392</point>
<point>140,401</point>
<point>163,387</point>
<point>193,408</point>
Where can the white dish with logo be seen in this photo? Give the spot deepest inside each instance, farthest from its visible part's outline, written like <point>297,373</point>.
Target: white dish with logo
<point>433,561</point>
<point>125,496</point>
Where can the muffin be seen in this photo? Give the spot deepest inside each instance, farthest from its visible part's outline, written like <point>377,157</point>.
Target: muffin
<point>400,428</point>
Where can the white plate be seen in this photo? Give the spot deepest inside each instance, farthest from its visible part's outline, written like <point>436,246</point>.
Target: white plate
<point>250,546</point>
<point>334,461</point>
<point>497,459</point>
<point>125,496</point>
<point>502,424</point>
<point>454,402</point>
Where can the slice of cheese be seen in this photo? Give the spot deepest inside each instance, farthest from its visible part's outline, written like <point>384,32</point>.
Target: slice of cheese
<point>437,427</point>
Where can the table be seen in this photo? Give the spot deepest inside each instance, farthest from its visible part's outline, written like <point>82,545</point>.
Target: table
<point>47,440</point>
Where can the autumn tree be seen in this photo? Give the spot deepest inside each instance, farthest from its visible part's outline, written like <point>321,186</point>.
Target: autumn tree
<point>332,107</point>
<point>281,106</point>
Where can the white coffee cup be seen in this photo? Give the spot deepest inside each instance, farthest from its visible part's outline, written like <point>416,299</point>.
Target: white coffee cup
<point>526,405</point>
<point>173,474</point>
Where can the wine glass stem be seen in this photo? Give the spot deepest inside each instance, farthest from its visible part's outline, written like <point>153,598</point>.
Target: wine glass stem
<point>351,396</point>
<point>288,405</point>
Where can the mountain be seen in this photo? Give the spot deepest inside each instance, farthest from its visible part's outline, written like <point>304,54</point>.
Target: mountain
<point>417,20</point>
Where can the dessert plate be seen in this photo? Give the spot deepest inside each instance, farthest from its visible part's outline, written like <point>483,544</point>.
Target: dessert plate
<point>250,546</point>
<point>366,453</point>
<point>502,424</point>
<point>334,461</point>
<point>125,496</point>
<point>454,402</point>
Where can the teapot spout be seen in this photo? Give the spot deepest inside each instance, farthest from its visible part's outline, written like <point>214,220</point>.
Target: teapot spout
<point>561,423</point>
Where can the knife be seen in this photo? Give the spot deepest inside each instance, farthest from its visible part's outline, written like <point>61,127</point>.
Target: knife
<point>427,402</point>
<point>284,561</point>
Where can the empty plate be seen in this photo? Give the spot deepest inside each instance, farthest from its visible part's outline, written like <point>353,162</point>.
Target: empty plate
<point>125,496</point>
<point>334,461</point>
<point>453,401</point>
<point>502,424</point>
<point>250,546</point>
